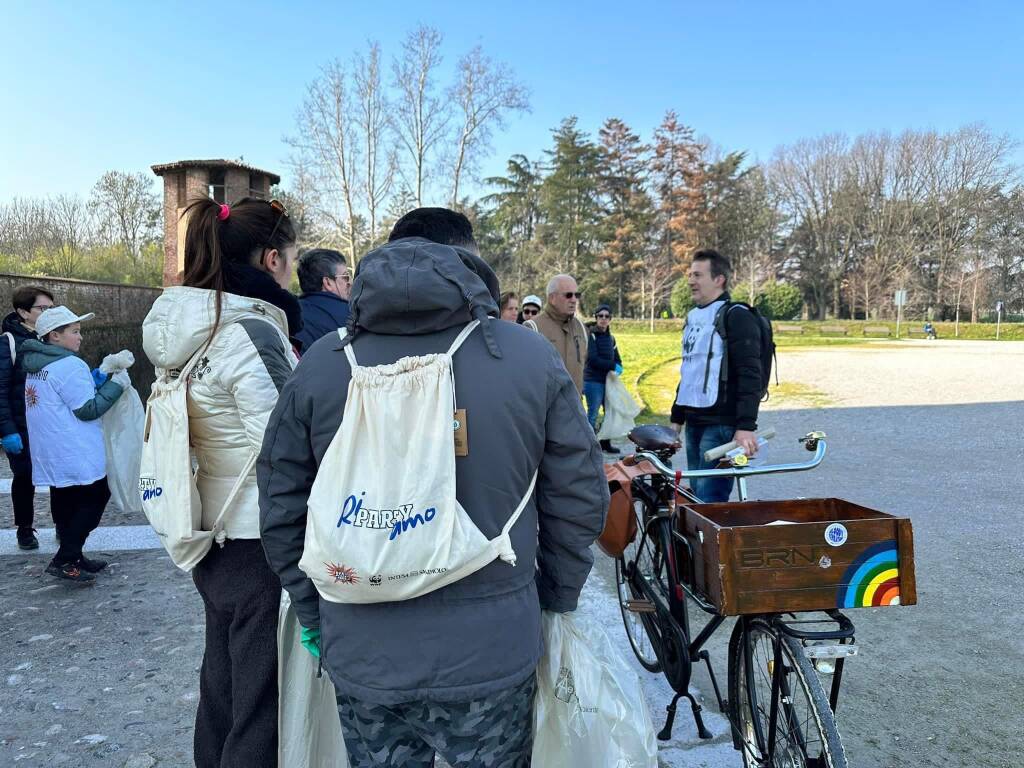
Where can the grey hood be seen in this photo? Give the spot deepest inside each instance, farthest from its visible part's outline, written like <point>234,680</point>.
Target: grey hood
<point>414,286</point>
<point>36,355</point>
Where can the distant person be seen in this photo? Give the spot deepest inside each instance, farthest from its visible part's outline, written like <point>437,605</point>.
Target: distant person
<point>719,390</point>
<point>235,309</point>
<point>326,282</point>
<point>508,307</point>
<point>559,325</point>
<point>929,330</point>
<point>30,301</point>
<point>63,404</point>
<point>530,308</point>
<point>602,358</point>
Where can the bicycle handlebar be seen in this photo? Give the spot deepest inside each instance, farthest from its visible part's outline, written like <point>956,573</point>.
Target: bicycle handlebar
<point>720,451</point>
<point>820,448</point>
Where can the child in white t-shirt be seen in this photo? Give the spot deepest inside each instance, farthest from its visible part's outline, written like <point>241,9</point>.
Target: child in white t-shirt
<point>63,404</point>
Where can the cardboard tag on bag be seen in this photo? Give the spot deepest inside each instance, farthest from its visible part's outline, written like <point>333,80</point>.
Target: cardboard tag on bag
<point>461,433</point>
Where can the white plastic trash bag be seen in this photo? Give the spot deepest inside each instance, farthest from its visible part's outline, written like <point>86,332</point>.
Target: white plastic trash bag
<point>620,409</point>
<point>122,435</point>
<point>309,728</point>
<point>590,710</point>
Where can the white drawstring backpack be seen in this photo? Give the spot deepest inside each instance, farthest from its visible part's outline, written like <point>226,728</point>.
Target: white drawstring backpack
<point>167,484</point>
<point>384,523</point>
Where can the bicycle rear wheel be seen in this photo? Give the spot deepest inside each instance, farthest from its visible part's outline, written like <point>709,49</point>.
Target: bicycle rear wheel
<point>805,729</point>
<point>643,557</point>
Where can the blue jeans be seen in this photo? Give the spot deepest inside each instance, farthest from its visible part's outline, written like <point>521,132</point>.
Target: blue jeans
<point>593,391</point>
<point>698,440</point>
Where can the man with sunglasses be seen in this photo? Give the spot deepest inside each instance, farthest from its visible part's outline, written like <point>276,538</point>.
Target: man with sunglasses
<point>325,281</point>
<point>559,325</point>
<point>30,301</point>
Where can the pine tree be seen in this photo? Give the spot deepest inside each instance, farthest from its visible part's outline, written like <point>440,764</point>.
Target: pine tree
<point>570,202</point>
<point>626,229</point>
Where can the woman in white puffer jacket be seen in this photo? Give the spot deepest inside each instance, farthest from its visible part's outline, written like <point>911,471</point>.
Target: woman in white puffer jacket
<point>233,305</point>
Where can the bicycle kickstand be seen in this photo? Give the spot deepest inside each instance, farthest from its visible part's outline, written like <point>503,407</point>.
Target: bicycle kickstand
<point>666,732</point>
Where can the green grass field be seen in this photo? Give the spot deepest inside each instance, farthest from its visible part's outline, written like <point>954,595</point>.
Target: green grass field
<point>650,363</point>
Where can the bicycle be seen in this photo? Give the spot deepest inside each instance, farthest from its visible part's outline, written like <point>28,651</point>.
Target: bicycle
<point>778,710</point>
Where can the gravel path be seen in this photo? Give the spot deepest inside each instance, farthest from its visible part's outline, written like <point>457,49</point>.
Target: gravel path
<point>908,373</point>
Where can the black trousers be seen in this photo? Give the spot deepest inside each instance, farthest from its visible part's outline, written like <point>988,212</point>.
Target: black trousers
<point>77,510</point>
<point>22,491</point>
<point>236,725</point>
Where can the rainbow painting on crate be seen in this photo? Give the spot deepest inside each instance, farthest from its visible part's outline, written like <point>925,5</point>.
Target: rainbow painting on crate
<point>873,579</point>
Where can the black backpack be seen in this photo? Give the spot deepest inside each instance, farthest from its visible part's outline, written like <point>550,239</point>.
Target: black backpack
<point>767,344</point>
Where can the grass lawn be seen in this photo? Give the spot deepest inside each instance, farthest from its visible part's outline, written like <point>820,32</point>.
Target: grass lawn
<point>651,370</point>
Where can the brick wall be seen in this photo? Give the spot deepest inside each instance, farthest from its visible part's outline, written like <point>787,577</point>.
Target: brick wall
<point>120,310</point>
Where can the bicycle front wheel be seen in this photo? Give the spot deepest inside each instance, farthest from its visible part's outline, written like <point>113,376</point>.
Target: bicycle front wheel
<point>805,727</point>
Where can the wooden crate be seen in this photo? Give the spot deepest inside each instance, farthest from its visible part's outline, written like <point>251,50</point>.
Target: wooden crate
<point>828,553</point>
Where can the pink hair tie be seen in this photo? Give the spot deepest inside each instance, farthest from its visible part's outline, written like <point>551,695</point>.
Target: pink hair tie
<point>225,211</point>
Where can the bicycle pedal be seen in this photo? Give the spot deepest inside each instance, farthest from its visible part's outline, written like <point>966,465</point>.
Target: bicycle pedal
<point>640,606</point>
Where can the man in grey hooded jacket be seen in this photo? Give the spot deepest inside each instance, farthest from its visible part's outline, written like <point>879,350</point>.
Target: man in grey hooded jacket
<point>451,672</point>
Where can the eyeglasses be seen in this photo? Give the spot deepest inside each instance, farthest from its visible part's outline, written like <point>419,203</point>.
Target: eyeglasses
<point>603,316</point>
<point>345,277</point>
<point>43,307</point>
<point>573,294</point>
<point>530,312</point>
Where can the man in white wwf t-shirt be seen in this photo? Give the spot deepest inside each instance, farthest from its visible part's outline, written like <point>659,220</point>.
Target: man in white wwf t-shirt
<point>63,404</point>
<point>717,404</point>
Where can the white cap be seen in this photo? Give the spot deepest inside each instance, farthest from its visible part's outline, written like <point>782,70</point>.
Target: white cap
<point>531,299</point>
<point>57,317</point>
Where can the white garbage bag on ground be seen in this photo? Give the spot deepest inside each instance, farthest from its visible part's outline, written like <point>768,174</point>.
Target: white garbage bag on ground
<point>590,711</point>
<point>309,727</point>
<point>620,409</point>
<point>122,435</point>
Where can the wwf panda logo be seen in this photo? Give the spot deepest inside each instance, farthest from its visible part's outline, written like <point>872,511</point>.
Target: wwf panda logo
<point>375,580</point>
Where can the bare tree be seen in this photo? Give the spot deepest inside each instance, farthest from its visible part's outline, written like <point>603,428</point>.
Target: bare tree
<point>70,226</point>
<point>811,176</point>
<point>128,208</point>
<point>484,93</point>
<point>327,147</point>
<point>25,227</point>
<point>420,116</point>
<point>962,172</point>
<point>378,160</point>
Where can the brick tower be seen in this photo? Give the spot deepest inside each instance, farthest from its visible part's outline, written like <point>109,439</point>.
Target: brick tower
<point>226,181</point>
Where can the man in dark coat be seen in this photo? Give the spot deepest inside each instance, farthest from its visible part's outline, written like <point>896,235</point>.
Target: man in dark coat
<point>325,281</point>
<point>453,670</point>
<point>29,301</point>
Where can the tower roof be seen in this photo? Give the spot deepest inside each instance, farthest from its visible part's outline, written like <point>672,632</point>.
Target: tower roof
<point>179,165</point>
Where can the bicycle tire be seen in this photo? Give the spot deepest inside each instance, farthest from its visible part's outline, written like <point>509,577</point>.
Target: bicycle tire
<point>642,629</point>
<point>825,750</point>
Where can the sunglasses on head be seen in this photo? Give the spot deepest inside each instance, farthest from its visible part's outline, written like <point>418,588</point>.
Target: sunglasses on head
<point>573,294</point>
<point>278,207</point>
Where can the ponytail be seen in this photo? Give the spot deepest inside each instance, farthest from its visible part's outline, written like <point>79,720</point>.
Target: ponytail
<point>221,235</point>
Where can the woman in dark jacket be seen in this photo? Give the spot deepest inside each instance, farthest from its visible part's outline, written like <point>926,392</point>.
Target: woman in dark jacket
<point>602,357</point>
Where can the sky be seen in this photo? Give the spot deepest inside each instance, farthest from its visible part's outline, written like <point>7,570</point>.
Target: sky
<point>97,86</point>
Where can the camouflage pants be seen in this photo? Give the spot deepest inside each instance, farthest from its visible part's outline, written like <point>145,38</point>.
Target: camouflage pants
<point>493,732</point>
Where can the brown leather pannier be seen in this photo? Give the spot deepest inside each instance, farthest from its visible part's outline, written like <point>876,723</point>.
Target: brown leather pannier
<point>620,525</point>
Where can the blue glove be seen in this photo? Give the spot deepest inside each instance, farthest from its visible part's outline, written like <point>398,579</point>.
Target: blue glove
<point>618,368</point>
<point>310,639</point>
<point>99,378</point>
<point>12,443</point>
